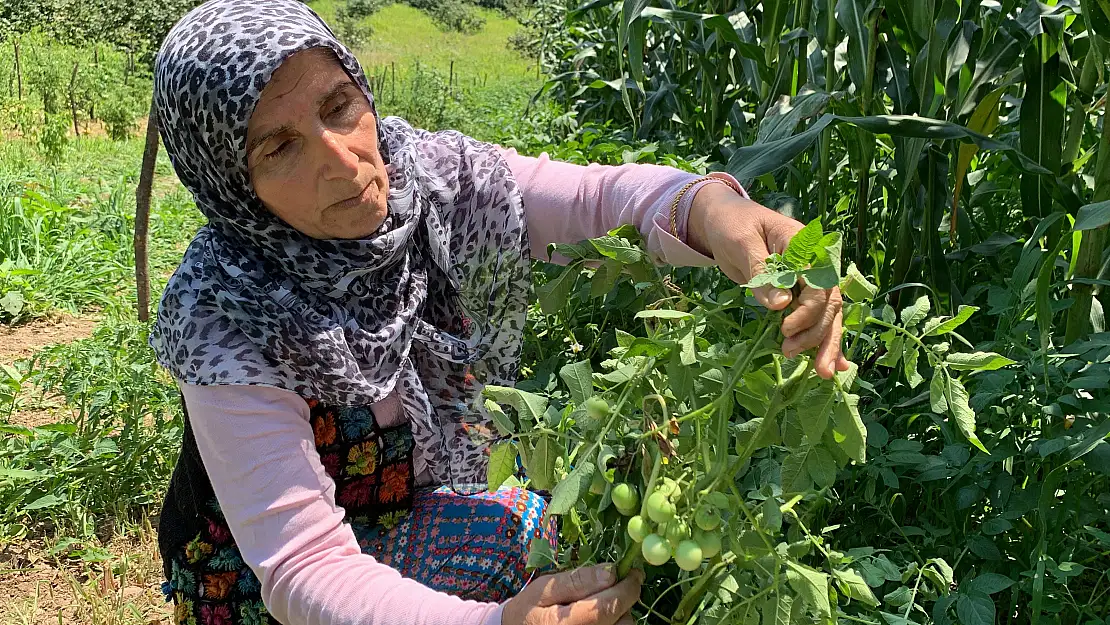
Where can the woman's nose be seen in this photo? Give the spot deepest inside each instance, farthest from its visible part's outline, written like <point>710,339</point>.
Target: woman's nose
<point>339,162</point>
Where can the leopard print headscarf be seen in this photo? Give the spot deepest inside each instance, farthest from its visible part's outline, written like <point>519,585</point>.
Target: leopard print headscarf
<point>431,306</point>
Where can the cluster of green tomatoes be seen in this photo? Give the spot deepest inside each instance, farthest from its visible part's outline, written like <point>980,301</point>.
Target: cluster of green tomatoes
<point>662,532</point>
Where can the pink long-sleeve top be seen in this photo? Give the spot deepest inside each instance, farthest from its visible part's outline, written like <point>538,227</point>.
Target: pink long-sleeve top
<point>258,448</point>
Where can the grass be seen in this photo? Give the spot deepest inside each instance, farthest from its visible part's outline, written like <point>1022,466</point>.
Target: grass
<point>403,36</point>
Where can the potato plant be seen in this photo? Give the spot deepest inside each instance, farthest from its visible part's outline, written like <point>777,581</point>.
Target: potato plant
<point>698,451</point>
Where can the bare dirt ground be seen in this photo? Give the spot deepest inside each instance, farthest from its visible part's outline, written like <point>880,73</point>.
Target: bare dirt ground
<point>24,340</point>
<point>38,588</point>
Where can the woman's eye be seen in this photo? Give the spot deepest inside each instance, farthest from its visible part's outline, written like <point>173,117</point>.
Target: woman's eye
<point>279,150</point>
<point>338,108</point>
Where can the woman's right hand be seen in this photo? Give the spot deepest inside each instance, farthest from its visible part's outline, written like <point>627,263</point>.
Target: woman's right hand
<point>587,596</point>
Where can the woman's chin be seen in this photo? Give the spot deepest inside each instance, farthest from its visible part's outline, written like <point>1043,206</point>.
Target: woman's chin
<point>359,222</point>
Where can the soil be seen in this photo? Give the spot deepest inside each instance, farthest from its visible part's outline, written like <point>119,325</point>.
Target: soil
<point>39,588</point>
<point>22,341</point>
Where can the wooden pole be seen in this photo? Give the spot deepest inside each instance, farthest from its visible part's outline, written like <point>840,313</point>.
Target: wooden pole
<point>73,101</point>
<point>142,213</point>
<point>18,72</point>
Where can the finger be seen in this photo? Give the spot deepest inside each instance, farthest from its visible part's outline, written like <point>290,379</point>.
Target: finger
<point>811,306</point>
<point>843,364</point>
<point>626,620</point>
<point>606,607</point>
<point>815,334</point>
<point>571,586</point>
<point>828,356</point>
<point>771,298</point>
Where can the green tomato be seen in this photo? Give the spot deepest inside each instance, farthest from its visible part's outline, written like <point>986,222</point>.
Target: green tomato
<point>688,555</point>
<point>626,498</point>
<point>707,517</point>
<point>710,542</point>
<point>597,485</point>
<point>670,488</point>
<point>659,508</point>
<point>655,550</point>
<point>597,407</point>
<point>677,531</point>
<point>638,528</point>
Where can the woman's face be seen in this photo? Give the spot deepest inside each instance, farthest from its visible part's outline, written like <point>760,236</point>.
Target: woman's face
<point>312,150</point>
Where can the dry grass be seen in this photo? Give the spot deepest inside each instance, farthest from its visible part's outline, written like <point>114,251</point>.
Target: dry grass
<point>124,589</point>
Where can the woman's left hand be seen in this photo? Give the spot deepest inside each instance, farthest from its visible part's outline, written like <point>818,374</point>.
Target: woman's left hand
<point>740,234</point>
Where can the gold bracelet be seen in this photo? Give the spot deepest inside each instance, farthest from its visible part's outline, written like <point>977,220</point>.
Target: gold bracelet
<point>685,188</point>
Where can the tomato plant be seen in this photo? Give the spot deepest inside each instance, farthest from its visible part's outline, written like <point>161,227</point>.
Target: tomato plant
<point>713,447</point>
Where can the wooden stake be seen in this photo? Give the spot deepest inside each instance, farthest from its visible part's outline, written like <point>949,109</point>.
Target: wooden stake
<point>72,101</point>
<point>142,213</point>
<point>18,73</point>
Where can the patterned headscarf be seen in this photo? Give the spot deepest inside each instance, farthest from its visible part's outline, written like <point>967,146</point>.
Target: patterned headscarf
<point>431,306</point>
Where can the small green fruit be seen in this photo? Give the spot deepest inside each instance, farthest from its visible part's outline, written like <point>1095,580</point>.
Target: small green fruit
<point>655,550</point>
<point>659,508</point>
<point>707,517</point>
<point>688,555</point>
<point>710,542</point>
<point>638,528</point>
<point>626,498</point>
<point>677,531</point>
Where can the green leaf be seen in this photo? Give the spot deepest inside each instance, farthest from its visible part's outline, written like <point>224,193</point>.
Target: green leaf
<point>956,395</point>
<point>795,473</point>
<point>856,287</point>
<point>848,429</point>
<point>821,467</point>
<point>776,609</point>
<point>909,364</point>
<point>579,378</point>
<point>663,313</point>
<point>553,294</point>
<point>772,514</point>
<point>605,278</point>
<point>753,161</point>
<point>528,405</point>
<point>569,491</point>
<point>944,326</point>
<point>821,277</point>
<point>974,609</point>
<point>46,501</point>
<point>1092,216</point>
<point>1041,122</point>
<point>502,421</point>
<point>894,349</point>
<point>540,554</point>
<point>803,246</point>
<point>619,249</point>
<point>688,352</point>
<point>977,361</point>
<point>828,251</point>
<point>12,303</point>
<point>938,401</point>
<point>540,464</point>
<point>988,583</point>
<point>21,474</point>
<point>502,464</point>
<point>857,588</point>
<point>915,313</point>
<point>811,585</point>
<point>899,596</point>
<point>818,406</point>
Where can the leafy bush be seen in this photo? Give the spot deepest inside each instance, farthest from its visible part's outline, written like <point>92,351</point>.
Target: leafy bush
<point>116,452</point>
<point>455,15</point>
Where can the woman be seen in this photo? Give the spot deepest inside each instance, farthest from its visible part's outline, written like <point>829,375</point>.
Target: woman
<point>332,326</point>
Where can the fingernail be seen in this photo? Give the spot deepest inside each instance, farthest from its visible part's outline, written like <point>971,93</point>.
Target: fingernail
<point>779,297</point>
<point>606,575</point>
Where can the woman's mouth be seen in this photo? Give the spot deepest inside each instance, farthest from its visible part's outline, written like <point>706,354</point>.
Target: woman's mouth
<point>361,198</point>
